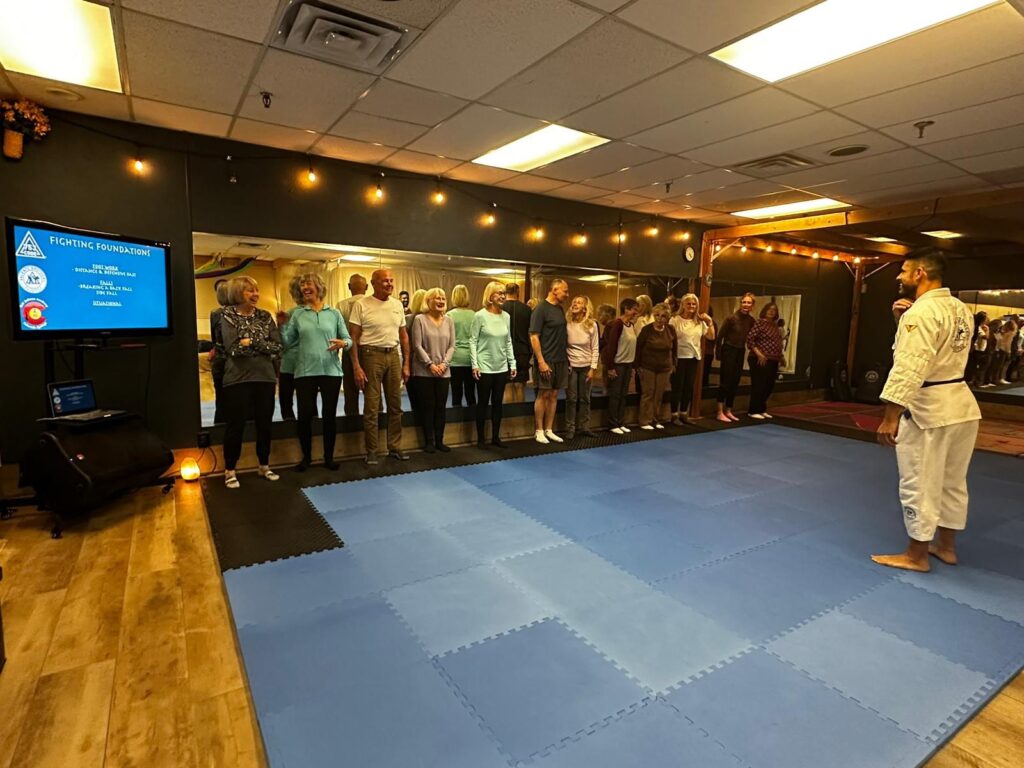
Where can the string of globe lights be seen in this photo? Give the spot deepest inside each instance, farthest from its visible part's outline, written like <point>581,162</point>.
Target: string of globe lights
<point>720,248</point>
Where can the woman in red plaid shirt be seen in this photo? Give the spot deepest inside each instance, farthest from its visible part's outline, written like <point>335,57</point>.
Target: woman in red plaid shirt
<point>765,344</point>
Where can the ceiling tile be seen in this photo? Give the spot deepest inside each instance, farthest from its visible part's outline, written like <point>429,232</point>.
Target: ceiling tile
<point>978,143</point>
<point>747,189</point>
<point>620,200</point>
<point>354,151</point>
<point>181,65</point>
<point>299,85</point>
<point>475,131</point>
<point>480,43</point>
<point>702,182</point>
<point>988,82</point>
<point>901,178</point>
<point>247,19</point>
<point>270,135</point>
<point>479,174</point>
<point>741,203</point>
<point>919,192</point>
<point>994,161</point>
<point>418,162</point>
<point>779,138</point>
<point>180,118</point>
<point>876,143</point>
<point>419,14</point>
<point>961,122</point>
<point>524,182</point>
<point>658,172</point>
<point>700,25</point>
<point>987,35</point>
<point>598,161</point>
<point>605,59</point>
<point>654,207</point>
<point>379,130</point>
<point>856,168</point>
<point>399,101</point>
<point>578,192</point>
<point>685,89</point>
<point>93,101</point>
<point>743,114</point>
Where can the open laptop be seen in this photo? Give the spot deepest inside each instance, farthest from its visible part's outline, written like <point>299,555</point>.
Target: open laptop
<point>76,401</point>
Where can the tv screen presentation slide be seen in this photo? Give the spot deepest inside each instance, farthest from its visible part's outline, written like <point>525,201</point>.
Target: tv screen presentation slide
<point>69,281</point>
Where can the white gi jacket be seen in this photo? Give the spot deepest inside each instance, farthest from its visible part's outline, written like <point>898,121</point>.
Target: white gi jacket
<point>933,340</point>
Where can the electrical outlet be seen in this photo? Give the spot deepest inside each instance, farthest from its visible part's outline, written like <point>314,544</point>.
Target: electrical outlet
<point>203,440</point>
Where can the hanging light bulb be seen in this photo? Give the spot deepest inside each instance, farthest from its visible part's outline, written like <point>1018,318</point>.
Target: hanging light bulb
<point>718,247</point>
<point>580,238</point>
<point>537,234</point>
<point>621,237</point>
<point>769,249</point>
<point>815,255</point>
<point>311,176</point>
<point>856,259</point>
<point>835,257</point>
<point>438,197</point>
<point>490,218</point>
<point>743,249</point>
<point>652,231</point>
<point>792,251</point>
<point>686,237</point>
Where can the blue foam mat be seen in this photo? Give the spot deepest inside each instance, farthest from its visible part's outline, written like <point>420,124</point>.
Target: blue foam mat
<point>703,600</point>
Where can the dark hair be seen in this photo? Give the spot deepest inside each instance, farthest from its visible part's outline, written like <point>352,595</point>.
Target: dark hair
<point>627,304</point>
<point>931,260</point>
<point>511,289</point>
<point>218,283</point>
<point>766,307</point>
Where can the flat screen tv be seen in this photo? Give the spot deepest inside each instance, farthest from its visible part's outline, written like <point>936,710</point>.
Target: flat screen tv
<point>76,284</point>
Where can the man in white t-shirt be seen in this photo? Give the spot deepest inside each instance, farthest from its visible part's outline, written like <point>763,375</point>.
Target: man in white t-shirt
<point>357,287</point>
<point>380,356</point>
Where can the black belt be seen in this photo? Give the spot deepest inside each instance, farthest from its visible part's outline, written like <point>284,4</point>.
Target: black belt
<point>940,383</point>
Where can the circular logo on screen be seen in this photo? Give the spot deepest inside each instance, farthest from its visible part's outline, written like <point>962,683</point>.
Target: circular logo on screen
<point>33,311</point>
<point>871,377</point>
<point>32,279</point>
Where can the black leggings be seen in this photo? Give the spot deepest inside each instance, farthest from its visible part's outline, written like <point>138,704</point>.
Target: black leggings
<point>682,383</point>
<point>429,396</point>
<point>490,386</point>
<point>762,382</point>
<point>237,400</point>
<point>306,388</point>
<point>462,381</point>
<point>286,394</point>
<point>729,371</point>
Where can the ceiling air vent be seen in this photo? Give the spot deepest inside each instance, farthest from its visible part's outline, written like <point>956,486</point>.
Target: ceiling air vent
<point>326,31</point>
<point>775,164</point>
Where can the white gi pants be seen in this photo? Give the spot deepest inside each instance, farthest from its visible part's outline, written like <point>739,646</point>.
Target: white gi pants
<point>933,475</point>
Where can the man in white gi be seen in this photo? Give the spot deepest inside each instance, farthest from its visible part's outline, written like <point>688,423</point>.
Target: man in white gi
<point>931,415</point>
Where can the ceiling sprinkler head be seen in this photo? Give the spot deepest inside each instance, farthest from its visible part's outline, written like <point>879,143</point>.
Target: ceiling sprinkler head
<point>921,125</point>
<point>267,96</point>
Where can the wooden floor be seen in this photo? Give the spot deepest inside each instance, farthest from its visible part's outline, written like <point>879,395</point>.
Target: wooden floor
<point>121,650</point>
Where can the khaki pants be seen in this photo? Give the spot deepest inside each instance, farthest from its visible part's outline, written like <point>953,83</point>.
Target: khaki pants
<point>652,392</point>
<point>382,369</point>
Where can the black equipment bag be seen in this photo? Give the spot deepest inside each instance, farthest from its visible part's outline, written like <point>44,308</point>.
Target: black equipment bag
<point>74,468</point>
<point>872,381</point>
<point>839,383</point>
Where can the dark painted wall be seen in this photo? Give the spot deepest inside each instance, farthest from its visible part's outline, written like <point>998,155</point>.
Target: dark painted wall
<point>79,177</point>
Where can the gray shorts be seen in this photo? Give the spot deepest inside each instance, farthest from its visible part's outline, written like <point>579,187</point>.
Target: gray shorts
<point>557,379</point>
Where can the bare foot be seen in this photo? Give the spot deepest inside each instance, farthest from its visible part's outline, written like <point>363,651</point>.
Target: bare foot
<point>903,561</point>
<point>948,556</point>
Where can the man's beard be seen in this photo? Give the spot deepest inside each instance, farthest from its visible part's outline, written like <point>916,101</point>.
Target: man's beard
<point>906,290</point>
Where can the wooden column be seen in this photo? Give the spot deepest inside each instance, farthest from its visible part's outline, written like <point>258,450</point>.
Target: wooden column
<point>706,251</point>
<point>851,348</point>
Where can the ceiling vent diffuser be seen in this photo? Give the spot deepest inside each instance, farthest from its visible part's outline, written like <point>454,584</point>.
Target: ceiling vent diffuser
<point>326,31</point>
<point>775,164</point>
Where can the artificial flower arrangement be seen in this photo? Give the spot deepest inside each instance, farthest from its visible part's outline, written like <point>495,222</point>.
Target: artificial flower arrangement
<point>22,118</point>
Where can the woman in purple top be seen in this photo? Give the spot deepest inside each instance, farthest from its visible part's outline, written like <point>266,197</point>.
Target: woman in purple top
<point>765,344</point>
<point>433,345</point>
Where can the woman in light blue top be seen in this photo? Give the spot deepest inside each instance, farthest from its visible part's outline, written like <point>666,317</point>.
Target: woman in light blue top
<point>492,359</point>
<point>289,357</point>
<point>320,332</point>
<point>461,367</point>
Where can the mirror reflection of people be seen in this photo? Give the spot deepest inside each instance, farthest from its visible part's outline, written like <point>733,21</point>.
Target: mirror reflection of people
<point>252,344</point>
<point>432,349</point>
<point>732,343</point>
<point>217,355</point>
<point>693,330</point>
<point>551,362</point>
<point>403,296</point>
<point>709,351</point>
<point>584,356</point>
<point>320,334</point>
<point>462,316</point>
<point>492,359</point>
<point>414,307</point>
<point>765,344</point>
<point>519,316</point>
<point>289,356</point>
<point>350,391</point>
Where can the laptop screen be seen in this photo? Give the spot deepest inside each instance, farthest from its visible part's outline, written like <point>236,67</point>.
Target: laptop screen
<point>70,397</point>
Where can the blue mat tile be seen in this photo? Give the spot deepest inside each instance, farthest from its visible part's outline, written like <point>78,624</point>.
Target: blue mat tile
<point>658,641</point>
<point>716,531</point>
<point>987,591</point>
<point>800,465</point>
<point>413,484</point>
<point>411,557</point>
<point>539,685</point>
<point>376,521</point>
<point>448,612</point>
<point>578,518</point>
<point>718,487</point>
<point>654,735</point>
<point>639,502</point>
<point>498,536</point>
<point>977,640</point>
<point>766,512</point>
<point>493,472</point>
<point>999,556</point>
<point>416,720</point>
<point>914,687</point>
<point>359,493</point>
<point>773,716</point>
<point>857,539</point>
<point>765,591</point>
<point>648,552</point>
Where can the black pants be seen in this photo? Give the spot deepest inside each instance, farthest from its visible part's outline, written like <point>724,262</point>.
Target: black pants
<point>490,387</point>
<point>307,387</point>
<point>618,387</point>
<point>729,372</point>
<point>762,382</point>
<point>682,383</point>
<point>429,397</point>
<point>463,381</point>
<point>349,386</point>
<point>217,373</point>
<point>709,358</point>
<point>238,399</point>
<point>286,394</point>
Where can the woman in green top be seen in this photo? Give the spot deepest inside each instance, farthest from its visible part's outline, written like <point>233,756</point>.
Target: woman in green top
<point>461,368</point>
<point>289,357</point>
<point>319,331</point>
<point>492,358</point>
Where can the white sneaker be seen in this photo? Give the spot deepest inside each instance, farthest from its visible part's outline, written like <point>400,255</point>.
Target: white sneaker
<point>625,429</point>
<point>231,481</point>
<point>552,436</point>
<point>269,474</point>
<point>659,425</point>
<point>767,415</point>
<point>1003,381</point>
<point>617,431</point>
<point>758,416</point>
<point>540,438</point>
<point>646,426</point>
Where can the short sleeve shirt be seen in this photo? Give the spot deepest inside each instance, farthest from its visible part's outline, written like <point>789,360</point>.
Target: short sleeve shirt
<point>548,320</point>
<point>379,320</point>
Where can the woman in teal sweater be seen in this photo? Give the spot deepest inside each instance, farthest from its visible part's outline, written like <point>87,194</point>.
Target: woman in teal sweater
<point>320,333</point>
<point>492,359</point>
<point>461,367</point>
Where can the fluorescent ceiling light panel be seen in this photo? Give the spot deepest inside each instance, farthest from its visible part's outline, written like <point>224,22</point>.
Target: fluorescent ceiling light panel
<point>943,234</point>
<point>597,278</point>
<point>551,143</point>
<point>881,239</point>
<point>361,257</point>
<point>495,271</point>
<point>835,29</point>
<point>804,206</point>
<point>67,40</point>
